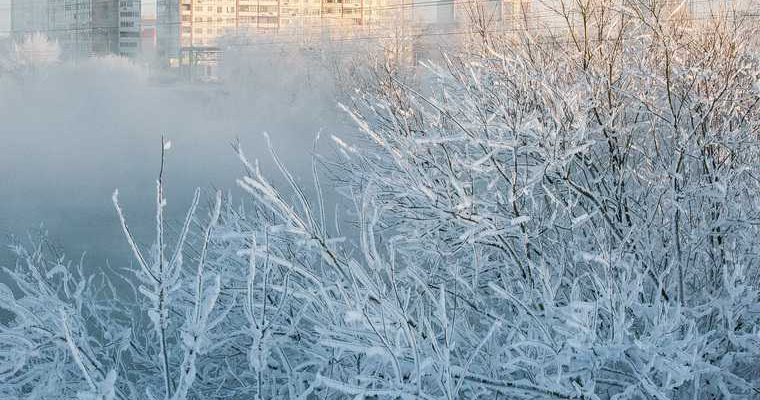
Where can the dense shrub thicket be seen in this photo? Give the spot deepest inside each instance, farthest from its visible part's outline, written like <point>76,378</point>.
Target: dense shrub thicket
<point>532,217</point>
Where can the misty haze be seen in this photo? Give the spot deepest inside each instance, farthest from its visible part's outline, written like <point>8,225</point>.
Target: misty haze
<point>73,133</point>
<point>380,199</point>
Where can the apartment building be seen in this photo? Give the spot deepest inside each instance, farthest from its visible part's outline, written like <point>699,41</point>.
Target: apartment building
<point>28,16</point>
<point>205,20</point>
<point>82,28</point>
<point>489,13</point>
<point>188,26</point>
<point>168,27</point>
<point>148,39</point>
<point>129,21</point>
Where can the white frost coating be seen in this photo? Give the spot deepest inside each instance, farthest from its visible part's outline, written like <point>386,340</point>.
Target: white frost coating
<point>519,220</point>
<point>526,220</point>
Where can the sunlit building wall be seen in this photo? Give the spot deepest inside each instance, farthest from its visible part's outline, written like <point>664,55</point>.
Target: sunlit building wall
<point>189,25</point>
<point>203,21</point>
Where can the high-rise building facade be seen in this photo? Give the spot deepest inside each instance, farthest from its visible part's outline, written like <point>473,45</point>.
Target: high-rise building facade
<point>204,20</point>
<point>130,18</point>
<point>28,16</point>
<point>81,27</point>
<point>168,27</point>
<point>187,26</point>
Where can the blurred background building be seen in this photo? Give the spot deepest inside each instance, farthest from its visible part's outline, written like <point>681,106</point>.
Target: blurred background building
<point>194,32</point>
<point>82,28</point>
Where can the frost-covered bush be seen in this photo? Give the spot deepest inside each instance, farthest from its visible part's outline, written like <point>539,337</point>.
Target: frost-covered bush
<point>32,52</point>
<point>541,218</point>
<point>35,51</point>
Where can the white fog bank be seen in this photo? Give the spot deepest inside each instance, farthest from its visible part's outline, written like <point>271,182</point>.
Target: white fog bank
<point>71,134</point>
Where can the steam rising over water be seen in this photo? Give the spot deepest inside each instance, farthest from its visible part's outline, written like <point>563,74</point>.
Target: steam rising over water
<point>71,134</point>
